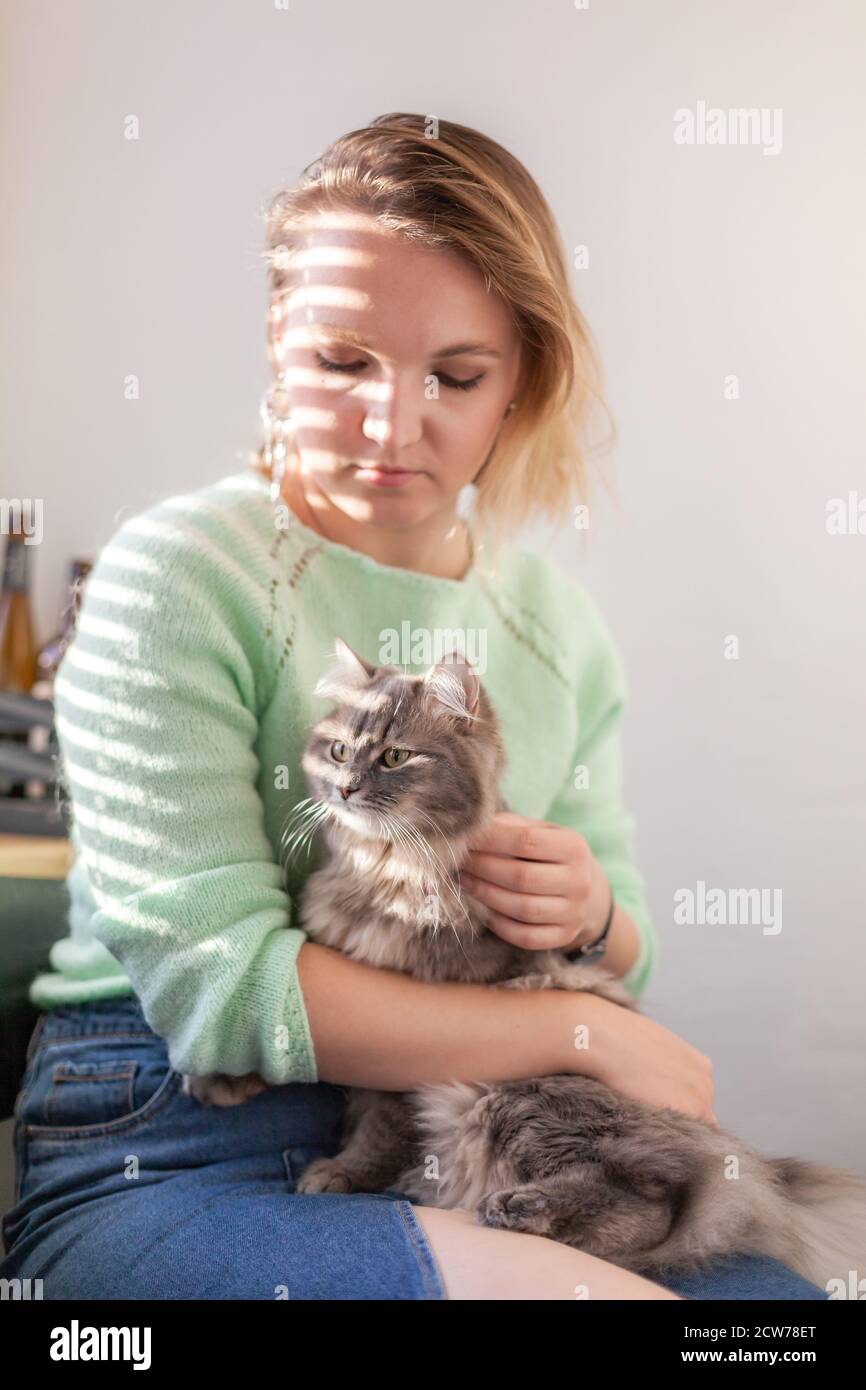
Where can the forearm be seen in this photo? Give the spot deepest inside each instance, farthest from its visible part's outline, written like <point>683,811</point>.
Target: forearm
<point>383,1030</point>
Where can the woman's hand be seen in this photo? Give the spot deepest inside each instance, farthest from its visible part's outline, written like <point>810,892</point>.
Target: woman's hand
<point>542,886</point>
<point>639,1058</point>
<point>544,890</point>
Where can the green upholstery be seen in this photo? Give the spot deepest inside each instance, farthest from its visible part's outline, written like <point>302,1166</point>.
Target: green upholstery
<point>33,915</point>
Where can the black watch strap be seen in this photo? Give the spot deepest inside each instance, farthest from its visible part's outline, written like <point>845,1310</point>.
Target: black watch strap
<point>597,948</point>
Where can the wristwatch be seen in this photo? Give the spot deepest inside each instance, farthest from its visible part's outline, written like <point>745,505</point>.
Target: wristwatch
<point>597,948</point>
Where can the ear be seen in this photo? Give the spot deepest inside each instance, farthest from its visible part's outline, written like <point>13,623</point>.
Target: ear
<point>454,685</point>
<point>351,672</point>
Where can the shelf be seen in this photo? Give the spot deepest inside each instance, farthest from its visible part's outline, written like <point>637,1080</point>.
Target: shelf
<point>35,856</point>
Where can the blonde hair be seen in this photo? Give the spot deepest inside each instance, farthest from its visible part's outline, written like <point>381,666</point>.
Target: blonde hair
<point>446,185</point>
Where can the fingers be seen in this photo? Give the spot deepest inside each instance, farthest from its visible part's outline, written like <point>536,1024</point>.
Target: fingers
<point>528,938</point>
<point>510,834</point>
<point>530,908</point>
<point>520,875</point>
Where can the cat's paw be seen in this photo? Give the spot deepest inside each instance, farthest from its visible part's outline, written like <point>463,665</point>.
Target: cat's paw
<point>517,1209</point>
<point>219,1089</point>
<point>527,982</point>
<point>325,1175</point>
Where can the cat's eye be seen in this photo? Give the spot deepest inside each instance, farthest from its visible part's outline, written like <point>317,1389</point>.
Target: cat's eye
<point>339,752</point>
<point>394,757</point>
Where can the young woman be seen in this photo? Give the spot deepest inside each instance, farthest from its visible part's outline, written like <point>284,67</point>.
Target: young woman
<point>424,339</point>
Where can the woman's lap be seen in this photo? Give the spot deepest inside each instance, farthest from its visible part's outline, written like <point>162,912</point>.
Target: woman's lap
<point>161,1197</point>
<point>128,1188</point>
<point>236,1239</point>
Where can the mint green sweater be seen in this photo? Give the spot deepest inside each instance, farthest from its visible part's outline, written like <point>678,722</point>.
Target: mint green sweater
<point>183,706</point>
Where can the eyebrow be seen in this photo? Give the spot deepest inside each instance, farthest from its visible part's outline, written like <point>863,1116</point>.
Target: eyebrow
<point>334,333</point>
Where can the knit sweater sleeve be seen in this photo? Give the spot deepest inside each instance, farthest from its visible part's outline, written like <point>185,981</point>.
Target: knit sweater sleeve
<point>157,702</point>
<point>591,798</point>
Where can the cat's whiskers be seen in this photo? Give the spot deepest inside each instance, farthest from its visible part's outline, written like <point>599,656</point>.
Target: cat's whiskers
<point>309,817</point>
<point>400,701</point>
<point>452,887</point>
<point>416,839</point>
<point>297,809</point>
<point>443,877</point>
<point>385,831</point>
<point>438,879</point>
<point>408,839</point>
<point>298,813</point>
<point>293,810</point>
<point>396,832</point>
<point>405,836</point>
<point>431,821</point>
<point>315,822</point>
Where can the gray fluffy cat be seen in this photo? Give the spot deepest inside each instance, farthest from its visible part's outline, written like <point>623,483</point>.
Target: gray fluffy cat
<point>402,774</point>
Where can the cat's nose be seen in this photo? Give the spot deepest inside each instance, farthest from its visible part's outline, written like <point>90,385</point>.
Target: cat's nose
<point>346,792</point>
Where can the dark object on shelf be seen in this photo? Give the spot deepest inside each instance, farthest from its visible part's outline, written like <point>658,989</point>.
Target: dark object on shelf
<point>23,711</point>
<point>21,814</point>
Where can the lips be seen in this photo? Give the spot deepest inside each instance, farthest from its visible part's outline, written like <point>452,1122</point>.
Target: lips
<point>375,476</point>
<point>383,468</point>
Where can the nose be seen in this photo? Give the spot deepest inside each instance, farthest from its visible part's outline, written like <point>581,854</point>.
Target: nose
<point>346,792</point>
<point>396,419</point>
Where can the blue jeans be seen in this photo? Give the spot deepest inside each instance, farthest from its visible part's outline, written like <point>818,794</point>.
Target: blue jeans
<point>126,1188</point>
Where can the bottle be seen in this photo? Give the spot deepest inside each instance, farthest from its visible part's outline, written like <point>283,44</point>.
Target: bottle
<point>17,647</point>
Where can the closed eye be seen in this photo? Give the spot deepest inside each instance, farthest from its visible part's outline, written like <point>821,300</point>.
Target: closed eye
<point>452,382</point>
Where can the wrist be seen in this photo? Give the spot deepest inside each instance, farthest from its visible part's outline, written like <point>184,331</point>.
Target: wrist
<point>592,940</point>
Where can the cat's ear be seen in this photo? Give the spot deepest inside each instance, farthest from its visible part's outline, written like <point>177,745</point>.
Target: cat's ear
<point>454,685</point>
<point>351,672</point>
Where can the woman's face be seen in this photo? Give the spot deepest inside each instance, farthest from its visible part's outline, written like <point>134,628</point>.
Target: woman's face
<point>399,368</point>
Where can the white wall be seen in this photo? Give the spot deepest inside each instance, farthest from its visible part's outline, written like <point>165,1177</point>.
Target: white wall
<point>143,258</point>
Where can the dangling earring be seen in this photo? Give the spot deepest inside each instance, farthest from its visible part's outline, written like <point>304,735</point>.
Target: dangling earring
<point>465,503</point>
<point>274,410</point>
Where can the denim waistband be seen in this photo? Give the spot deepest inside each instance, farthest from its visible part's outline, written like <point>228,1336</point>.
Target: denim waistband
<point>95,1018</point>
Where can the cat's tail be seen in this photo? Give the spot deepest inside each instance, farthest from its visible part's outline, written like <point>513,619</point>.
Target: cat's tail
<point>824,1237</point>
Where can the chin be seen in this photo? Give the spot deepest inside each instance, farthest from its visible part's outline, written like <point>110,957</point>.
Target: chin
<point>357,820</point>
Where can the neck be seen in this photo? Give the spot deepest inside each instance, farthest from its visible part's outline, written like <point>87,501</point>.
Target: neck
<point>439,545</point>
